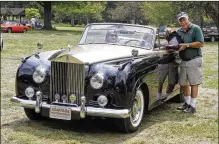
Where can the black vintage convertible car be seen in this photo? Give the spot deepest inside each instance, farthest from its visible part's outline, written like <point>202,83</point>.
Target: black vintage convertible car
<point>114,72</point>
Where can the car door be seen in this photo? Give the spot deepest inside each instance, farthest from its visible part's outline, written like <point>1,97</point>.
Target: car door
<point>168,70</point>
<point>16,27</point>
<point>158,75</point>
<point>13,27</point>
<point>153,76</point>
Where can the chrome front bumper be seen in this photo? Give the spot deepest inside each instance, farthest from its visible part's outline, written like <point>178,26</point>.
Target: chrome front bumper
<point>90,111</point>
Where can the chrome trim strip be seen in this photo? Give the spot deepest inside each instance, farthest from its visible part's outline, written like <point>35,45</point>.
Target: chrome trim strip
<point>91,111</point>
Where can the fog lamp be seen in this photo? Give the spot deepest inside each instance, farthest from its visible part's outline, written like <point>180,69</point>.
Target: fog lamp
<point>72,98</point>
<point>102,100</point>
<point>64,98</point>
<point>29,92</point>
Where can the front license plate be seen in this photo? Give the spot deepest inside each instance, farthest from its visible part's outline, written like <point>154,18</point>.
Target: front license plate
<point>59,112</point>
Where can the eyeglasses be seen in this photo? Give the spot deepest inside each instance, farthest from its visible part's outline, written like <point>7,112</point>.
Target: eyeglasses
<point>113,35</point>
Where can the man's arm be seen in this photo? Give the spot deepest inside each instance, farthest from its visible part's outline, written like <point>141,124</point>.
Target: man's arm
<point>193,44</point>
<point>199,40</point>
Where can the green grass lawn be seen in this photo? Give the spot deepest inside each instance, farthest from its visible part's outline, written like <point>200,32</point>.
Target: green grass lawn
<point>162,125</point>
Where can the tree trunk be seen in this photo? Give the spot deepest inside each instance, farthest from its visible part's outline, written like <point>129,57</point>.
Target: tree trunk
<point>86,19</point>
<point>201,21</point>
<point>47,14</point>
<point>72,21</point>
<point>80,21</point>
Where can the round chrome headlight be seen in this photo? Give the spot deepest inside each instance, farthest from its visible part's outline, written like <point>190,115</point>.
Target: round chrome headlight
<point>29,92</point>
<point>39,74</point>
<point>102,100</point>
<point>96,81</point>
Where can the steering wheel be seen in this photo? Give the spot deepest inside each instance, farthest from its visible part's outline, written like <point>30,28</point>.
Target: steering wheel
<point>133,40</point>
<point>145,44</point>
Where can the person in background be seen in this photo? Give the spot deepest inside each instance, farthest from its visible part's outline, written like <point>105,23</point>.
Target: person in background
<point>24,22</point>
<point>36,22</point>
<point>191,66</point>
<point>33,23</point>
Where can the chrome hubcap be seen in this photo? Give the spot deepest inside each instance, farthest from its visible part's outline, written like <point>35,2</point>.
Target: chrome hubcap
<point>137,109</point>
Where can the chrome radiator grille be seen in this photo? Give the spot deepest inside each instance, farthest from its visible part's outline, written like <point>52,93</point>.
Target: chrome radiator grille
<point>67,79</point>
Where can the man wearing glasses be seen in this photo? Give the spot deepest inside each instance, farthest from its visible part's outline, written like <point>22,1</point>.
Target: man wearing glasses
<point>191,67</point>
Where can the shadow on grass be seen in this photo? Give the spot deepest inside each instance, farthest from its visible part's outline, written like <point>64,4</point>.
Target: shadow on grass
<point>92,130</point>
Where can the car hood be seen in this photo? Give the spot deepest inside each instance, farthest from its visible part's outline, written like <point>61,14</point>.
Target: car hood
<point>94,53</point>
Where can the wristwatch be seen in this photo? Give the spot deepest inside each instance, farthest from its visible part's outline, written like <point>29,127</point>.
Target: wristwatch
<point>187,45</point>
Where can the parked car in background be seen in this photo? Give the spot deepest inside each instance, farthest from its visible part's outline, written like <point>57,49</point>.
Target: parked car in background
<point>2,45</point>
<point>210,33</point>
<point>38,26</point>
<point>13,26</point>
<point>162,31</point>
<point>112,73</point>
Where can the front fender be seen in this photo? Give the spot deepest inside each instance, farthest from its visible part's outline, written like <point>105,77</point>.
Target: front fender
<point>26,70</point>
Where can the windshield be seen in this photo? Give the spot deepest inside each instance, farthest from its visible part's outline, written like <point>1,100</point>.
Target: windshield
<point>128,35</point>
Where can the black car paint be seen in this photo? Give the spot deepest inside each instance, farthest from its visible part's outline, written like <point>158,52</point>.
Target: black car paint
<point>122,78</point>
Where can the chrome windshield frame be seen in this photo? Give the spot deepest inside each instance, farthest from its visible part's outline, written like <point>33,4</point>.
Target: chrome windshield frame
<point>84,35</point>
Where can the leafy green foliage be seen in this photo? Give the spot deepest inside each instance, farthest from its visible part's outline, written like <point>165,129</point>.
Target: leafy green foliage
<point>78,10</point>
<point>153,13</point>
<point>128,11</point>
<point>32,12</point>
<point>198,10</point>
<point>160,13</point>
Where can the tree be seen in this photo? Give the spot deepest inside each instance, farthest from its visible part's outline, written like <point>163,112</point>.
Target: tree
<point>163,13</point>
<point>47,5</point>
<point>74,10</point>
<point>32,12</point>
<point>93,9</point>
<point>128,11</point>
<point>106,14</point>
<point>211,9</point>
<point>160,13</point>
<point>198,10</point>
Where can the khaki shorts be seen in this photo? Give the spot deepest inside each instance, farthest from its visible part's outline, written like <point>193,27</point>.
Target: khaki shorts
<point>170,69</point>
<point>191,72</point>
